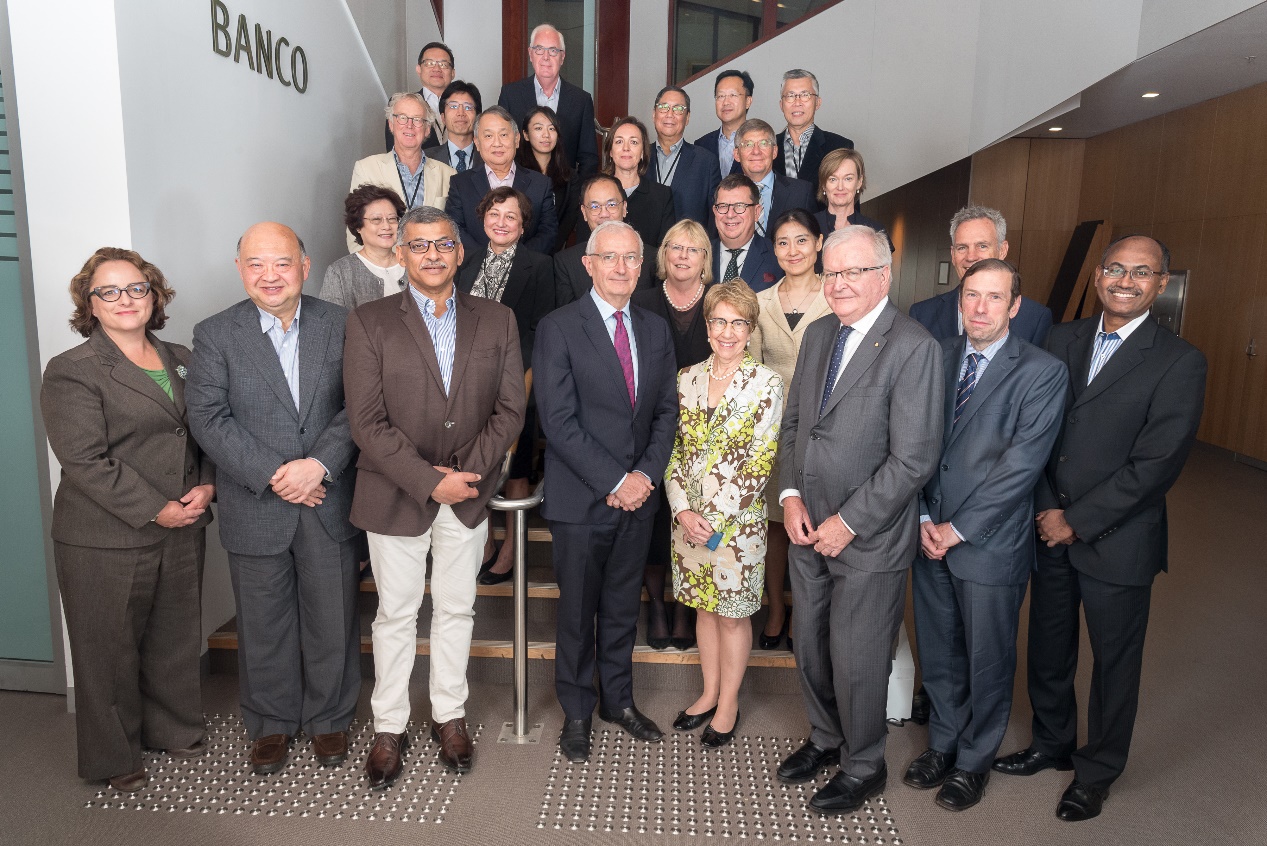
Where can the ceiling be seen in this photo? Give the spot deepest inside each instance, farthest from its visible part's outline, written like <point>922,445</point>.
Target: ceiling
<point>1204,65</point>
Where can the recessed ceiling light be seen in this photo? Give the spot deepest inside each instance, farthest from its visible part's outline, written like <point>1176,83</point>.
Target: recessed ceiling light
<point>1150,94</point>
<point>1055,128</point>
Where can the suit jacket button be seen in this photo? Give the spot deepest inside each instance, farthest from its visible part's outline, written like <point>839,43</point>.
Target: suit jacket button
<point>189,471</point>
<point>180,431</point>
<point>1073,418</point>
<point>303,430</point>
<point>934,500</point>
<point>945,467</point>
<point>813,436</point>
<point>1064,458</point>
<point>448,424</point>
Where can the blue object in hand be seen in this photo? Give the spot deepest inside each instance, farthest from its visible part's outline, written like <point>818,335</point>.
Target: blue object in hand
<point>714,541</point>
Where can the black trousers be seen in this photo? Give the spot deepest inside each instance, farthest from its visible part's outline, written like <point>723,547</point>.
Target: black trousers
<point>599,571</point>
<point>1117,621</point>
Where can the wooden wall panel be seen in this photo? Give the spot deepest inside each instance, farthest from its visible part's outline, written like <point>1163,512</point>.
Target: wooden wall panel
<point>1183,239</point>
<point>1238,155</point>
<point>1183,180</point>
<point>1053,184</point>
<point>1135,176</point>
<point>998,179</point>
<point>1099,164</point>
<point>1039,262</point>
<point>1253,410</point>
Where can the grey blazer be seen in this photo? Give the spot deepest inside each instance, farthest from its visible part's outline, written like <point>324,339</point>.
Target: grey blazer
<point>877,442</point>
<point>992,459</point>
<point>242,414</point>
<point>124,447</point>
<point>349,283</point>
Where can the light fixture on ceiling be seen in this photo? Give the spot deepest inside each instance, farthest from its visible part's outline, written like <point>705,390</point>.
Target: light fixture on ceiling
<point>1055,128</point>
<point>1148,95</point>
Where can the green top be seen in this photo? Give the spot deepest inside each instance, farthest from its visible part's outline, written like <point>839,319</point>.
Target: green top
<point>160,378</point>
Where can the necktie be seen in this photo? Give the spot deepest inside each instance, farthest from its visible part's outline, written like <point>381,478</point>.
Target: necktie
<point>732,269</point>
<point>623,353</point>
<point>1106,343</point>
<point>833,370</point>
<point>966,383</point>
<point>461,165</point>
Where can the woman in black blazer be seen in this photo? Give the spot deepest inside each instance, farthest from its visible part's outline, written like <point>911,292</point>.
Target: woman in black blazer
<point>842,177</point>
<point>523,281</point>
<point>540,150</point>
<point>649,205</point>
<point>129,522</point>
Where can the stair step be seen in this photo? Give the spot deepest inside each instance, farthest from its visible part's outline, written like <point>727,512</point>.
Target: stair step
<point>538,590</point>
<point>536,534</point>
<point>228,639</point>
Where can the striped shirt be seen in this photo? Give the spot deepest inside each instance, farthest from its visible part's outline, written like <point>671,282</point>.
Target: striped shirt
<point>286,345</point>
<point>794,150</point>
<point>1104,347</point>
<point>443,330</point>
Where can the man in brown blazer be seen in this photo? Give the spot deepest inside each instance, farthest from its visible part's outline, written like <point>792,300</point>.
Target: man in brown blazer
<point>434,382</point>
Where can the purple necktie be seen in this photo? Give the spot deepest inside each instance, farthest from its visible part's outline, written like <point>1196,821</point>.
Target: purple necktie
<point>623,353</point>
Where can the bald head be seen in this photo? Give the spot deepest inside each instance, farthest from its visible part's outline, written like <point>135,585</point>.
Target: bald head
<point>273,265</point>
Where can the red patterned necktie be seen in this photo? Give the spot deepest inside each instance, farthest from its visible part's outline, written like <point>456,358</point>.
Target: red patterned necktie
<point>625,356</point>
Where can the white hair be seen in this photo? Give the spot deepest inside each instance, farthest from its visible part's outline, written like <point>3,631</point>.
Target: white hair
<point>878,240</point>
<point>413,97</point>
<point>532,38</point>
<point>607,226</point>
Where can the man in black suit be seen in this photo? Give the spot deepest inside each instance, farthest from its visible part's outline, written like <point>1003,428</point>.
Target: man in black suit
<point>732,95</point>
<point>802,145</point>
<point>976,233</point>
<point>755,153</point>
<point>574,106</point>
<point>460,105</point>
<point>496,140</point>
<point>689,172</point>
<point>604,373</point>
<point>435,70</point>
<point>602,199</point>
<point>737,249</point>
<point>1003,399</point>
<point>1132,411</point>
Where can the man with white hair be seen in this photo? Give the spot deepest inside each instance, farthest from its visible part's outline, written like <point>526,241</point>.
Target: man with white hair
<point>545,87</point>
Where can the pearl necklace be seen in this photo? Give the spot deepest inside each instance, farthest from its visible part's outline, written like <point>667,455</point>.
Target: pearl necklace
<point>688,306</point>
<point>712,359</point>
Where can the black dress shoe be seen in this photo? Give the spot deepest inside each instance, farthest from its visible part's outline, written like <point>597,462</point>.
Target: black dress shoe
<point>921,707</point>
<point>715,739</point>
<point>658,643</point>
<point>804,764</point>
<point>574,741</point>
<point>635,722</point>
<point>683,643</point>
<point>962,790</point>
<point>690,722</point>
<point>768,642</point>
<point>489,577</point>
<point>929,769</point>
<point>845,794</point>
<point>1081,801</point>
<point>1030,761</point>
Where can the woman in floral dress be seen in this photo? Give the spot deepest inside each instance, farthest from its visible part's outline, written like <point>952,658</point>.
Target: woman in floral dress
<point>728,429</point>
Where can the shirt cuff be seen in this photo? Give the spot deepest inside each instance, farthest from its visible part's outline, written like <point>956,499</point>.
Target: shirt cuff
<point>924,518</point>
<point>958,533</point>
<point>618,484</point>
<point>789,492</point>
<point>846,525</point>
<point>323,467</point>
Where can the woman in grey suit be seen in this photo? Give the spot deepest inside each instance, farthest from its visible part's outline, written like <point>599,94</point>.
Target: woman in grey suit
<point>129,522</point>
<point>370,213</point>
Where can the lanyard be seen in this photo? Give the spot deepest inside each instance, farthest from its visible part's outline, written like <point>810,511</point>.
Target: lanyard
<point>667,178</point>
<point>409,198</point>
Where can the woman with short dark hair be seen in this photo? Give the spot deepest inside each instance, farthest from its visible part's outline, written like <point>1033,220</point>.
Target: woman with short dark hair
<point>371,214</point>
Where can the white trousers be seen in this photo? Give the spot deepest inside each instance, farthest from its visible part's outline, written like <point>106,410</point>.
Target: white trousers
<point>400,568</point>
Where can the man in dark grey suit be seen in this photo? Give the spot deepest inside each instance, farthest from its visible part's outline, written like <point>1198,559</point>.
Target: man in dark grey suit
<point>602,199</point>
<point>460,105</point>
<point>861,434</point>
<point>265,401</point>
<point>1004,397</point>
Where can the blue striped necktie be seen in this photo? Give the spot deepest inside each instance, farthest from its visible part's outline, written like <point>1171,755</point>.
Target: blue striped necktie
<point>966,383</point>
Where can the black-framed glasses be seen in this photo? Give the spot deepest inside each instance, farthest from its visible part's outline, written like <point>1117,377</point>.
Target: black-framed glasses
<point>853,274</point>
<point>1139,274</point>
<point>727,208</point>
<point>110,293</point>
<point>610,259</point>
<point>418,246</point>
<point>552,52</point>
<point>406,120</point>
<point>719,324</point>
<point>676,108</point>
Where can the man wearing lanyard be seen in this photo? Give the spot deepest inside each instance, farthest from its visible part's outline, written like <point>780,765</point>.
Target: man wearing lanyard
<point>689,172</point>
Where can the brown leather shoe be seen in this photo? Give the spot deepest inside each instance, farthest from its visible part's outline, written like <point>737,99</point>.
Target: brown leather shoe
<point>130,783</point>
<point>330,750</point>
<point>385,761</point>
<point>268,753</point>
<point>455,744</point>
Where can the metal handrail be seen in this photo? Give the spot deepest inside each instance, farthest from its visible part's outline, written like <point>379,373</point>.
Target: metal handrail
<point>520,508</point>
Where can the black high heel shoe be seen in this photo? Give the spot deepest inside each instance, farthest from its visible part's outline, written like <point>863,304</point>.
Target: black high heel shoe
<point>690,722</point>
<point>715,739</point>
<point>768,642</point>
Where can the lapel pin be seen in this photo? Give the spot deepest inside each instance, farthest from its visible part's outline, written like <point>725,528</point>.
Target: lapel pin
<point>181,371</point>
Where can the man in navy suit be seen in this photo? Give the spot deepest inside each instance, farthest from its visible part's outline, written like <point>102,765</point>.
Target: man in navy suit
<point>1134,405</point>
<point>605,377</point>
<point>737,249</point>
<point>459,107</point>
<point>689,172</point>
<point>802,145</point>
<point>1003,401</point>
<point>755,153</point>
<point>496,140</point>
<point>976,233</point>
<point>602,199</point>
<point>574,106</point>
<point>732,95</point>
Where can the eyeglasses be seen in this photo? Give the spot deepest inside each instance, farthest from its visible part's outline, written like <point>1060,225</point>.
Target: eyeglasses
<point>693,252</point>
<point>853,274</point>
<point>1139,274</point>
<point>459,107</point>
<point>676,108</point>
<point>110,293</point>
<point>379,221</point>
<point>764,144</point>
<point>552,52</point>
<point>610,205</point>
<point>726,95</point>
<point>719,324</point>
<point>798,96</point>
<point>442,64</point>
<point>610,260</point>
<point>727,208</point>
<point>418,246</point>
<point>406,120</point>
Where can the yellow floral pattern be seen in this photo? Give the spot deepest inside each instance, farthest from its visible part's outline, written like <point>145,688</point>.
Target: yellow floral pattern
<point>719,469</point>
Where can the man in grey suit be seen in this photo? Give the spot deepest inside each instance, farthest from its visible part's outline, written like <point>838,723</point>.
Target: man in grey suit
<point>1004,398</point>
<point>861,434</point>
<point>265,401</point>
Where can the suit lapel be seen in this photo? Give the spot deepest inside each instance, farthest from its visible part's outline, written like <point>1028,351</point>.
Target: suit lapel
<point>517,278</point>
<point>1127,357</point>
<point>638,324</point>
<point>422,337</point>
<point>134,378</point>
<point>596,331</point>
<point>314,337</point>
<point>259,350</point>
<point>996,371</point>
<point>755,256</point>
<point>1079,356</point>
<point>177,381</point>
<point>463,344</point>
<point>950,365</point>
<point>868,351</point>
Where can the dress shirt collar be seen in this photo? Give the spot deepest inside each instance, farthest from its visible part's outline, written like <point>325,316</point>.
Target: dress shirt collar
<point>1125,331</point>
<point>541,92</point>
<point>672,149</point>
<point>863,324</point>
<point>428,305</point>
<point>469,149</point>
<point>606,309</point>
<point>268,321</point>
<point>802,139</point>
<point>495,182</point>
<point>989,352</point>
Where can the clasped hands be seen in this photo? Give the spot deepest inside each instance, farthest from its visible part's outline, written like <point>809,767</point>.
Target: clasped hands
<point>936,538</point>
<point>828,539</point>
<point>299,481</point>
<point>632,493</point>
<point>177,514</point>
<point>1053,528</point>
<point>456,486</point>
<point>695,528</point>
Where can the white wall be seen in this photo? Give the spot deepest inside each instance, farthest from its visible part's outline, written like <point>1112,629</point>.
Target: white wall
<point>473,31</point>
<point>383,25</point>
<point>648,62</point>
